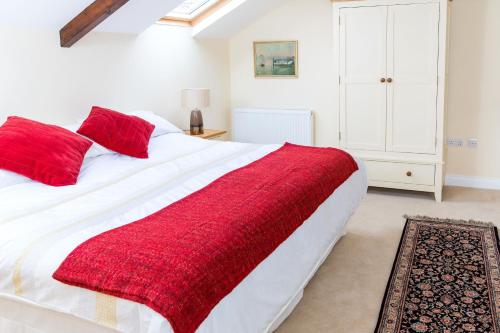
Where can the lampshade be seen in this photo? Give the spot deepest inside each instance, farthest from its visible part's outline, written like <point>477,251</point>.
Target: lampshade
<point>195,98</point>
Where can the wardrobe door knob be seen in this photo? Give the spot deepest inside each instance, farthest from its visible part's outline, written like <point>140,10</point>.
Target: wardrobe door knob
<point>409,173</point>
<point>382,80</point>
<point>389,80</point>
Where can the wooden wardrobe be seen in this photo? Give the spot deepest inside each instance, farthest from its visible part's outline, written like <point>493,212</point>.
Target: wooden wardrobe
<point>390,58</point>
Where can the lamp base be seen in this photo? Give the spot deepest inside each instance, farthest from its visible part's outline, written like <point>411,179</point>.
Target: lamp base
<point>196,126</point>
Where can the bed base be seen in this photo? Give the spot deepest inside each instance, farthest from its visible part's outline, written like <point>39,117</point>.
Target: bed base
<point>27,317</point>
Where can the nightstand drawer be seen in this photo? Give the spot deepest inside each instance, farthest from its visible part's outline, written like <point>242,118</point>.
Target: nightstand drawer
<point>406,173</point>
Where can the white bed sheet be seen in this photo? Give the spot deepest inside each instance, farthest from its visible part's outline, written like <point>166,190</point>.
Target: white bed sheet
<point>41,225</point>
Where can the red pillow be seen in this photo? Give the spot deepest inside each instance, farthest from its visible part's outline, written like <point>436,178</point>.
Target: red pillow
<point>45,153</point>
<point>128,135</point>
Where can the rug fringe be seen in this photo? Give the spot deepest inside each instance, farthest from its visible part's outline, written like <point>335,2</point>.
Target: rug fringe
<point>448,220</point>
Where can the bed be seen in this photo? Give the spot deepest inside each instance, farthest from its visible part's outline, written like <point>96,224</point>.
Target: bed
<point>41,225</point>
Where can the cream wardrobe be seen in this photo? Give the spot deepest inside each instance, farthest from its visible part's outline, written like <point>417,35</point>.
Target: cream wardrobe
<point>390,61</point>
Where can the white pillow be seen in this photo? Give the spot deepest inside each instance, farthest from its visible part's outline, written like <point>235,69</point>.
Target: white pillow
<point>96,149</point>
<point>162,126</point>
<point>8,178</point>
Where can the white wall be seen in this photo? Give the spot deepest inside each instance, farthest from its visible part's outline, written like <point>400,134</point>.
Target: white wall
<point>39,79</point>
<point>474,87</point>
<point>474,75</point>
<point>309,22</point>
<point>43,81</point>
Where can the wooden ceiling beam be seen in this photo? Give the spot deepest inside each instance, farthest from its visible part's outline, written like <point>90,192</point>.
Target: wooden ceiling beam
<point>87,20</point>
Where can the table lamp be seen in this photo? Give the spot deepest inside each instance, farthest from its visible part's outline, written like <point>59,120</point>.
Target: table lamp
<point>194,100</point>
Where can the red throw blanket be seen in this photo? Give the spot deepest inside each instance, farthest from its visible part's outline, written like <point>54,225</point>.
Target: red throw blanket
<point>184,259</point>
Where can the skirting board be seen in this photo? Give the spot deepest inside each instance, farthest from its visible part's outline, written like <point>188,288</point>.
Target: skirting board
<point>473,182</point>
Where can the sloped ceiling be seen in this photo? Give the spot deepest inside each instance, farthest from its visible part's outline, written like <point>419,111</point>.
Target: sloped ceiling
<point>137,15</point>
<point>234,17</point>
<point>50,14</point>
<point>133,17</point>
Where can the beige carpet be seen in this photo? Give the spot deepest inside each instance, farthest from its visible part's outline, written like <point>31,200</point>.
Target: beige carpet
<point>346,293</point>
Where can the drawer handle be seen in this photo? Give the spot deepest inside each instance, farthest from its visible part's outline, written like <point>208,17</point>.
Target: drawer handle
<point>409,173</point>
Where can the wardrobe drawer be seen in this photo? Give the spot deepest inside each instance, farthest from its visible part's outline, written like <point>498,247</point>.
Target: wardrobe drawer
<point>407,173</point>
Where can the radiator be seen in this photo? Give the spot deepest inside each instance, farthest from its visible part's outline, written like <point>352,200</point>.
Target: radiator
<point>268,126</point>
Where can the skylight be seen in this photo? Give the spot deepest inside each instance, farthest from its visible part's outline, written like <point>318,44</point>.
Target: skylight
<point>191,8</point>
<point>192,12</point>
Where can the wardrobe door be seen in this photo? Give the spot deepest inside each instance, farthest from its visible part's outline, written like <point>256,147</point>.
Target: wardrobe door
<point>362,70</point>
<point>412,64</point>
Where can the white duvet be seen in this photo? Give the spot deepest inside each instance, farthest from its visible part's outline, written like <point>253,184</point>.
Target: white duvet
<point>41,225</point>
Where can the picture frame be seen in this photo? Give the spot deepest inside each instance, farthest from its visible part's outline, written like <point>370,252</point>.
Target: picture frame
<point>276,59</point>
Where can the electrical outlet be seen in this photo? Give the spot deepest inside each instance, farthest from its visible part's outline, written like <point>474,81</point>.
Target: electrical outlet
<point>472,143</point>
<point>456,142</point>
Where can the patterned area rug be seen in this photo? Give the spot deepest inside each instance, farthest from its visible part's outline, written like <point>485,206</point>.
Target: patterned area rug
<point>446,279</point>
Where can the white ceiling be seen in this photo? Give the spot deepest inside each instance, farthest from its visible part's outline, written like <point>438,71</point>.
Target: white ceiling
<point>137,15</point>
<point>40,13</point>
<point>134,17</point>
<point>234,17</point>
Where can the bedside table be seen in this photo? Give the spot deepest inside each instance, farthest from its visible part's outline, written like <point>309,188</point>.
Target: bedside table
<point>208,134</point>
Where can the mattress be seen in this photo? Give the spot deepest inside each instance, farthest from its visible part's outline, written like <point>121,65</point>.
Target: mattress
<point>41,225</point>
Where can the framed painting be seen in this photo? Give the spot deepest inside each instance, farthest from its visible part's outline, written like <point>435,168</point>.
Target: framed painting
<point>276,59</point>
